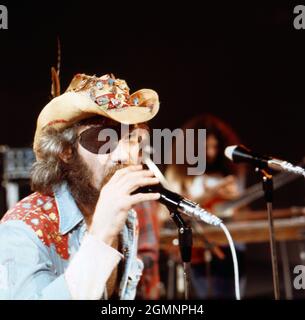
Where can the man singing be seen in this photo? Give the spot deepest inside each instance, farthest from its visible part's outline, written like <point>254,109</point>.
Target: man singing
<point>76,236</point>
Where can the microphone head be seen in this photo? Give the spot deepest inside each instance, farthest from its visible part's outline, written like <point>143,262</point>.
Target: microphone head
<point>229,152</point>
<point>239,153</point>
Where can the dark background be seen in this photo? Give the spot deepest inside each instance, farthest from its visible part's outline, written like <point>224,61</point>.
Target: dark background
<point>244,62</point>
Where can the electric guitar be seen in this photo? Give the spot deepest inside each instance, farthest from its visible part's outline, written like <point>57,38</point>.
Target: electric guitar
<point>225,209</point>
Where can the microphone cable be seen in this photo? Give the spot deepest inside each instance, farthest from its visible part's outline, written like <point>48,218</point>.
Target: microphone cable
<point>213,220</point>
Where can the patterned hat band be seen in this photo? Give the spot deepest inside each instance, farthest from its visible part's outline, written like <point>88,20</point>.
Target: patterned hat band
<point>106,91</point>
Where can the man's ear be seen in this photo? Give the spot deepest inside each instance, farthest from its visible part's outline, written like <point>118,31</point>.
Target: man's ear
<point>66,155</point>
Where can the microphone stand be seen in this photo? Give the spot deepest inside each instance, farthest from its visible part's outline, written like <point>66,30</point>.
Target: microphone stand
<point>268,193</point>
<point>185,245</point>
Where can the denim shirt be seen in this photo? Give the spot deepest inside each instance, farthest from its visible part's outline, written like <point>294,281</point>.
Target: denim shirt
<point>38,238</point>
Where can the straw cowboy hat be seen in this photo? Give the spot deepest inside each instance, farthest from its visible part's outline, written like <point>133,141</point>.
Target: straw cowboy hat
<point>87,96</point>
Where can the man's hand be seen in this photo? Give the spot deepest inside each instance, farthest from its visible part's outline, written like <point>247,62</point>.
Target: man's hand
<point>227,189</point>
<point>115,200</point>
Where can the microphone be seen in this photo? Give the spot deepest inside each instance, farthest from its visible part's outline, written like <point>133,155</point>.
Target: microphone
<point>174,201</point>
<point>240,153</point>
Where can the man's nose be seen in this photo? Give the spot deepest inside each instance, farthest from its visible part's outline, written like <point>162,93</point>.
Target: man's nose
<point>126,153</point>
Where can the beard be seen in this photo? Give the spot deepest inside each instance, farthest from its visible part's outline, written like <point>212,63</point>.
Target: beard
<point>79,178</point>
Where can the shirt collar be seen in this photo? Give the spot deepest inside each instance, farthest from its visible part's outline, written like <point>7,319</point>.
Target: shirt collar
<point>69,213</point>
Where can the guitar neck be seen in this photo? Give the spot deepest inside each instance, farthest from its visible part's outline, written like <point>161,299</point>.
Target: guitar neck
<point>255,192</point>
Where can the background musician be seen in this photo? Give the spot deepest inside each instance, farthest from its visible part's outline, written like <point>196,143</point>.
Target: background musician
<point>222,181</point>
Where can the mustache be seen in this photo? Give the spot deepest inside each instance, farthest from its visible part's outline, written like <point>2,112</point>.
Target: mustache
<point>111,171</point>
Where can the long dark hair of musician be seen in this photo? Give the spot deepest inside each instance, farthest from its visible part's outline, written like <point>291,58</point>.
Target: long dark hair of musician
<point>224,135</point>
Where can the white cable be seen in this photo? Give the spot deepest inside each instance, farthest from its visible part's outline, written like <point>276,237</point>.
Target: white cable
<point>152,167</point>
<point>202,215</point>
<point>235,262</point>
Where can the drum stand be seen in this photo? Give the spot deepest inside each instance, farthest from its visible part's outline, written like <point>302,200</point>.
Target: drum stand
<point>268,193</point>
<point>185,245</point>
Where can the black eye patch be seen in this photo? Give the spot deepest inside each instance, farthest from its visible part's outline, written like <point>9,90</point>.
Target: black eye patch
<point>101,140</point>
